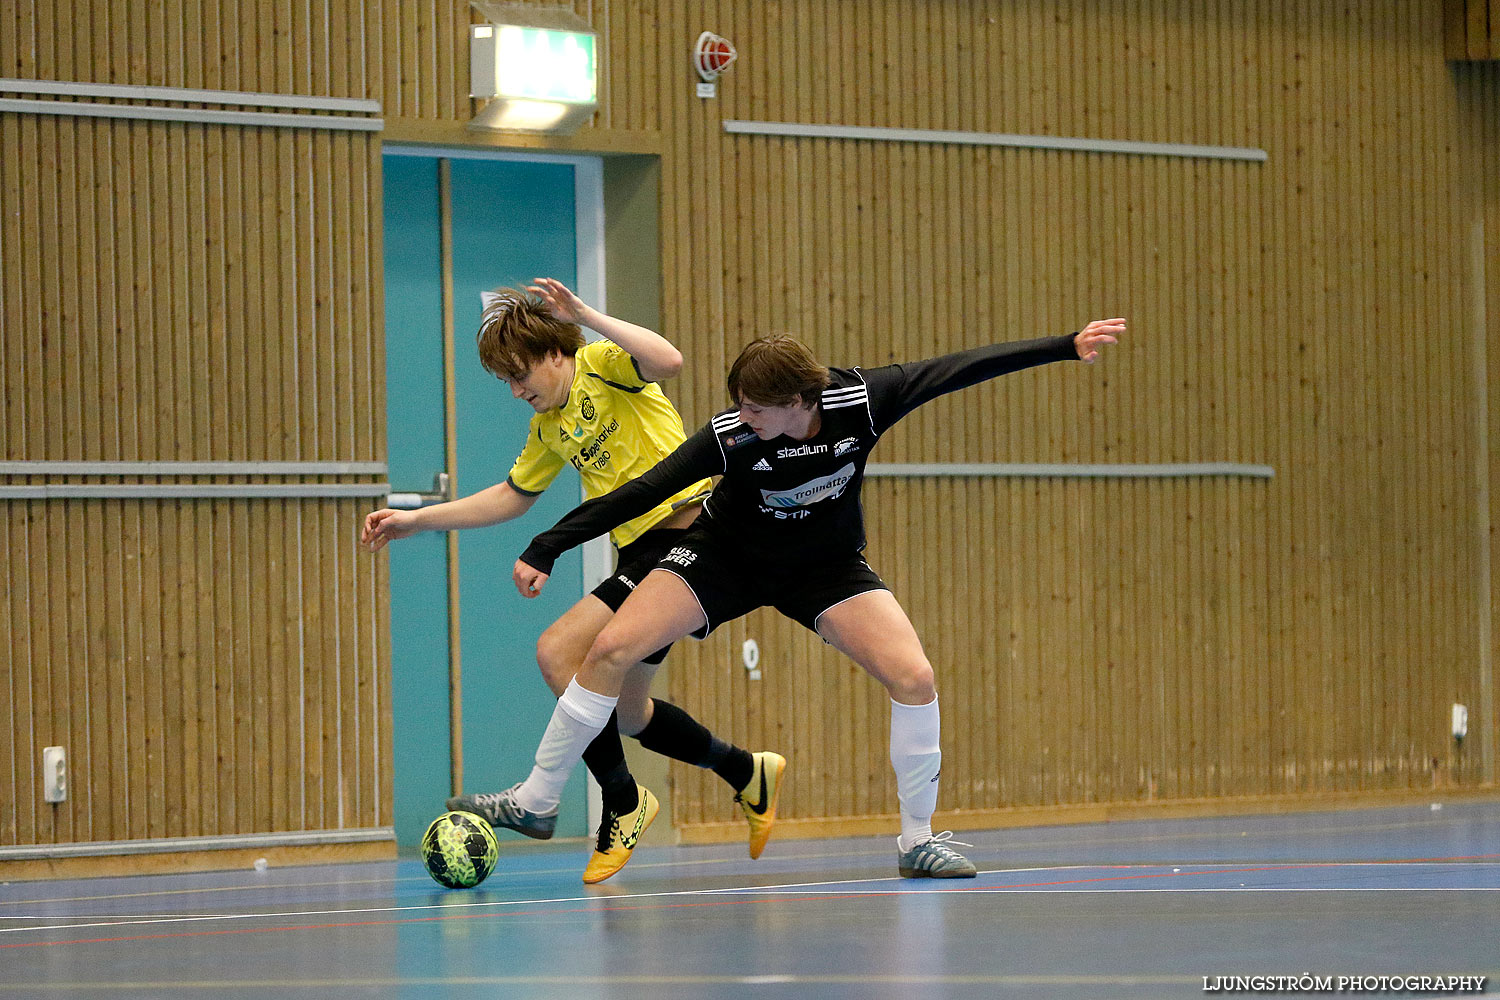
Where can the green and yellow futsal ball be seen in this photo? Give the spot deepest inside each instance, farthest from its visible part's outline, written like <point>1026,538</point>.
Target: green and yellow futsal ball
<point>459,850</point>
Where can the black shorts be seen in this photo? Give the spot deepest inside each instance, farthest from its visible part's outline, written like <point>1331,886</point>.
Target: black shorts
<point>632,563</point>
<point>729,585</point>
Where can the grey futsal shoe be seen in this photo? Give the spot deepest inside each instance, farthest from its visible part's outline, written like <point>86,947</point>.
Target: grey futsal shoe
<point>935,859</point>
<point>502,809</point>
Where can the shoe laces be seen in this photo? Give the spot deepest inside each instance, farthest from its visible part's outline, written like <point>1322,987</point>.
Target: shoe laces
<point>489,801</point>
<point>496,806</point>
<point>942,844</point>
<point>608,827</point>
<point>946,837</point>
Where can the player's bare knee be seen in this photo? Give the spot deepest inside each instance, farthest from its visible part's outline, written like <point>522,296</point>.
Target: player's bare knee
<point>914,685</point>
<point>611,654</point>
<point>556,660</point>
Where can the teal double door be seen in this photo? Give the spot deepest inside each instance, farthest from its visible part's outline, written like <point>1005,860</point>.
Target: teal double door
<point>504,221</point>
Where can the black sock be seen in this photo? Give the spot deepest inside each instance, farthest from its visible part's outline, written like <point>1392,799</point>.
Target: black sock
<point>673,733</point>
<point>605,759</point>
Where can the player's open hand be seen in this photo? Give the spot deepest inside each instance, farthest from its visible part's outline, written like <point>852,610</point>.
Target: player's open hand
<point>1095,335</point>
<point>386,525</point>
<point>528,579</point>
<point>560,300</point>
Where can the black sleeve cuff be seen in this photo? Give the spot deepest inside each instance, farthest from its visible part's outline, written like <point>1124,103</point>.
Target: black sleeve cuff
<point>525,493</point>
<point>536,560</point>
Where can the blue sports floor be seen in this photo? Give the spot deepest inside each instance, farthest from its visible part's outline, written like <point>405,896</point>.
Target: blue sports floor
<point>1129,909</point>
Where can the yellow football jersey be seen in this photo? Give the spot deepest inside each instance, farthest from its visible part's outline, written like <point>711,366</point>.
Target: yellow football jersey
<point>614,427</point>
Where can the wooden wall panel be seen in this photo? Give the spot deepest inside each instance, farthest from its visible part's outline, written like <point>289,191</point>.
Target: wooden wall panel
<point>1278,657</point>
<point>1479,92</point>
<point>1105,641</point>
<point>1472,29</point>
<point>1485,101</point>
<point>179,291</point>
<point>191,292</point>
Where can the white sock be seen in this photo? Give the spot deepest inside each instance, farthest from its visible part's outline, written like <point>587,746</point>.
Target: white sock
<point>918,759</point>
<point>580,715</point>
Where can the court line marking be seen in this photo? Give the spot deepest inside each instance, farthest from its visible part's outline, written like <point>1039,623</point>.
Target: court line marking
<point>1146,870</point>
<point>111,916</point>
<point>1003,844</point>
<point>827,897</point>
<point>472,916</point>
<point>639,865</point>
<point>128,919</point>
<point>807,890</point>
<point>627,980</point>
<point>642,864</point>
<point>260,886</point>
<point>1477,860</point>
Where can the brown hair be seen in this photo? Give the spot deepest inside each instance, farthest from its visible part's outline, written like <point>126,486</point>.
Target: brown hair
<point>517,331</point>
<point>777,371</point>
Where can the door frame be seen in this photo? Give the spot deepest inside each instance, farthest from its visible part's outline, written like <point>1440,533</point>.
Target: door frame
<point>589,238</point>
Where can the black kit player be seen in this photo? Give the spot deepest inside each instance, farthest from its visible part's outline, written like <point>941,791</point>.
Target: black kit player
<point>597,408</point>
<point>784,528</point>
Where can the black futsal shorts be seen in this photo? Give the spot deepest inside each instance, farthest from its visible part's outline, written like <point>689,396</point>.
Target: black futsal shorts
<point>632,563</point>
<point>730,584</point>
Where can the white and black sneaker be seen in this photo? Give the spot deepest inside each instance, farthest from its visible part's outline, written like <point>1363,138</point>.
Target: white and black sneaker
<point>502,809</point>
<point>935,859</point>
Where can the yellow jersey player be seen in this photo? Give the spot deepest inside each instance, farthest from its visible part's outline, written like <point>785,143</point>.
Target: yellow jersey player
<point>599,409</point>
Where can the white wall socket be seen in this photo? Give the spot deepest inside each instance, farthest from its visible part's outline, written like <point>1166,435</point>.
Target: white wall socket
<point>750,656</point>
<point>54,774</point>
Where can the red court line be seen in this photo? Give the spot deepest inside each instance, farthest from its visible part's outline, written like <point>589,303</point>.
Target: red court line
<point>767,898</point>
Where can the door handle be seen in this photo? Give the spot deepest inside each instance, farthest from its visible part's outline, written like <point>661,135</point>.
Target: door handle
<point>411,501</point>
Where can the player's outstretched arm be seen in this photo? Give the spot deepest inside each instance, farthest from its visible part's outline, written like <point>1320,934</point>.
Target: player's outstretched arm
<point>654,355</point>
<point>1094,336</point>
<point>479,510</point>
<point>896,390</point>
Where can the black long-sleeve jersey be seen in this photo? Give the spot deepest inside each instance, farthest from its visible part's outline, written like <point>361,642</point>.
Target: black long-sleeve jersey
<point>786,502</point>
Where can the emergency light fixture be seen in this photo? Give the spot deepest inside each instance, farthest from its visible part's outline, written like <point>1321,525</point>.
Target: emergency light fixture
<point>537,65</point>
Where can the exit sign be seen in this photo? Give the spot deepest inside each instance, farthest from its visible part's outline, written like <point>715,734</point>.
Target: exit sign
<point>538,64</point>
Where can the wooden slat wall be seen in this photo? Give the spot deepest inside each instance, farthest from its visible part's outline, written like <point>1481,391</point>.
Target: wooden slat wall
<point>1112,641</point>
<point>1120,642</point>
<point>1479,96</point>
<point>1096,642</point>
<point>191,292</point>
<point>1486,100</point>
<point>1472,29</point>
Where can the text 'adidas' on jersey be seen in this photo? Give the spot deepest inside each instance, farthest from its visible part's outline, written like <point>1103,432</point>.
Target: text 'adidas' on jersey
<point>804,494</point>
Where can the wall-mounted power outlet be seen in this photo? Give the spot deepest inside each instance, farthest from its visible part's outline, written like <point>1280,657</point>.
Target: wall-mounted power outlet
<point>54,774</point>
<point>750,656</point>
